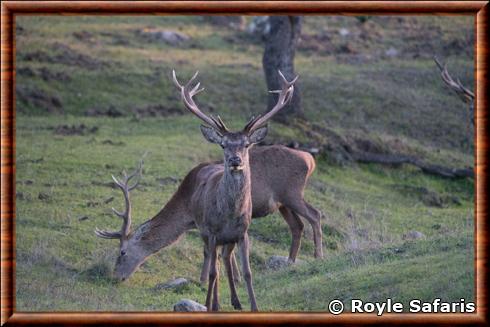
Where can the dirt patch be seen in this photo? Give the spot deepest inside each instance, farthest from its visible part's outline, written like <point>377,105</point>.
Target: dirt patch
<point>35,161</point>
<point>157,110</point>
<point>151,110</point>
<point>49,75</point>
<point>19,30</point>
<point>67,130</point>
<point>25,71</point>
<point>111,111</point>
<point>63,54</point>
<point>44,196</point>
<point>39,99</point>
<point>324,45</point>
<point>429,197</point>
<point>153,35</point>
<point>235,22</point>
<point>22,196</point>
<point>44,73</point>
<point>84,36</point>
<point>115,38</point>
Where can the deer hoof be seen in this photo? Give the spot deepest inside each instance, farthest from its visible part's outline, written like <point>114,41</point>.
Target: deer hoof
<point>237,305</point>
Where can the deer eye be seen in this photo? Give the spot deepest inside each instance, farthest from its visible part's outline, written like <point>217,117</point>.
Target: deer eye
<point>123,252</point>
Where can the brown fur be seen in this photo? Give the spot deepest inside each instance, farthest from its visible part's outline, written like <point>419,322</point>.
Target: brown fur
<point>279,175</point>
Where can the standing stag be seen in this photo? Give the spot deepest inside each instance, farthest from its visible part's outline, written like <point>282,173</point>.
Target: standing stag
<point>278,177</point>
<point>223,198</point>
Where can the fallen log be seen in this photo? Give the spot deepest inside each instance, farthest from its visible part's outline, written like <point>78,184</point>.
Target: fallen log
<point>396,159</point>
<point>329,141</point>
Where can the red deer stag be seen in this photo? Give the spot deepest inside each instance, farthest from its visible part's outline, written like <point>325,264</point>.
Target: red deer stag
<point>278,177</point>
<point>223,198</point>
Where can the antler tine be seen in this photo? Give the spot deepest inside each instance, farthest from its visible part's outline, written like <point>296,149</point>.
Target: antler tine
<point>285,95</point>
<point>137,172</point>
<point>220,123</point>
<point>106,234</point>
<point>189,103</point>
<point>464,93</point>
<point>126,214</point>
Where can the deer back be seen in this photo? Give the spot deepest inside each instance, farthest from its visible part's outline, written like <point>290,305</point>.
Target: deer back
<point>279,175</point>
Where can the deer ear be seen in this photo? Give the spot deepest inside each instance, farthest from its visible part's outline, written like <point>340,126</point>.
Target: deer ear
<point>211,134</point>
<point>258,135</point>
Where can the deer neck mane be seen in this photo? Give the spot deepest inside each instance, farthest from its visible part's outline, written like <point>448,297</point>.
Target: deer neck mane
<point>164,229</point>
<point>235,189</point>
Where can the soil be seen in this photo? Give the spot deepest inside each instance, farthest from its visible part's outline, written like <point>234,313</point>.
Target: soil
<point>39,99</point>
<point>68,130</point>
<point>109,112</point>
<point>67,56</point>
<point>157,110</point>
<point>44,73</point>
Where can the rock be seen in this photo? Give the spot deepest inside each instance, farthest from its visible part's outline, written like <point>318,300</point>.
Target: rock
<point>391,52</point>
<point>277,262</point>
<point>186,305</point>
<point>44,196</point>
<point>413,235</point>
<point>432,199</point>
<point>344,32</point>
<point>21,196</point>
<point>176,283</point>
<point>167,36</point>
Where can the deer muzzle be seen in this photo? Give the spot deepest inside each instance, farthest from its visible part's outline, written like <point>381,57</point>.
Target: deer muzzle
<point>235,163</point>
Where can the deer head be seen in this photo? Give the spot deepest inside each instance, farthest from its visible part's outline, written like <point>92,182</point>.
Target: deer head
<point>129,257</point>
<point>235,144</point>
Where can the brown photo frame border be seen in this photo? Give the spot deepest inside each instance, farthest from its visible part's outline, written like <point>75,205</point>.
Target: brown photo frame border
<point>9,9</point>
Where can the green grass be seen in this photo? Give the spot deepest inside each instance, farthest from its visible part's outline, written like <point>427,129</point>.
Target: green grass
<point>62,265</point>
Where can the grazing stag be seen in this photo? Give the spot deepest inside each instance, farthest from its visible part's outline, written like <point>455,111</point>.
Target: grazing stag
<point>278,178</point>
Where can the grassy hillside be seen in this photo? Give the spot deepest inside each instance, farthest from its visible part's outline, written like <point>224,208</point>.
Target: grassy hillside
<point>93,95</point>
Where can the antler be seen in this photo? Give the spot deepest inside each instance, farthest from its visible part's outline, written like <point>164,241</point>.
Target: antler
<point>187,93</point>
<point>465,94</point>
<point>126,215</point>
<point>285,95</point>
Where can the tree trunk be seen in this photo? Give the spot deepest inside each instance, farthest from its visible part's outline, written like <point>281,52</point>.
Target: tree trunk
<point>280,46</point>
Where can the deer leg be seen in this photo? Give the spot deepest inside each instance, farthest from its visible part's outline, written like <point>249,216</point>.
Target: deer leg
<point>227,258</point>
<point>205,267</point>
<point>244,245</point>
<point>215,305</point>
<point>296,227</point>
<point>236,270</point>
<point>313,216</point>
<point>213,270</point>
